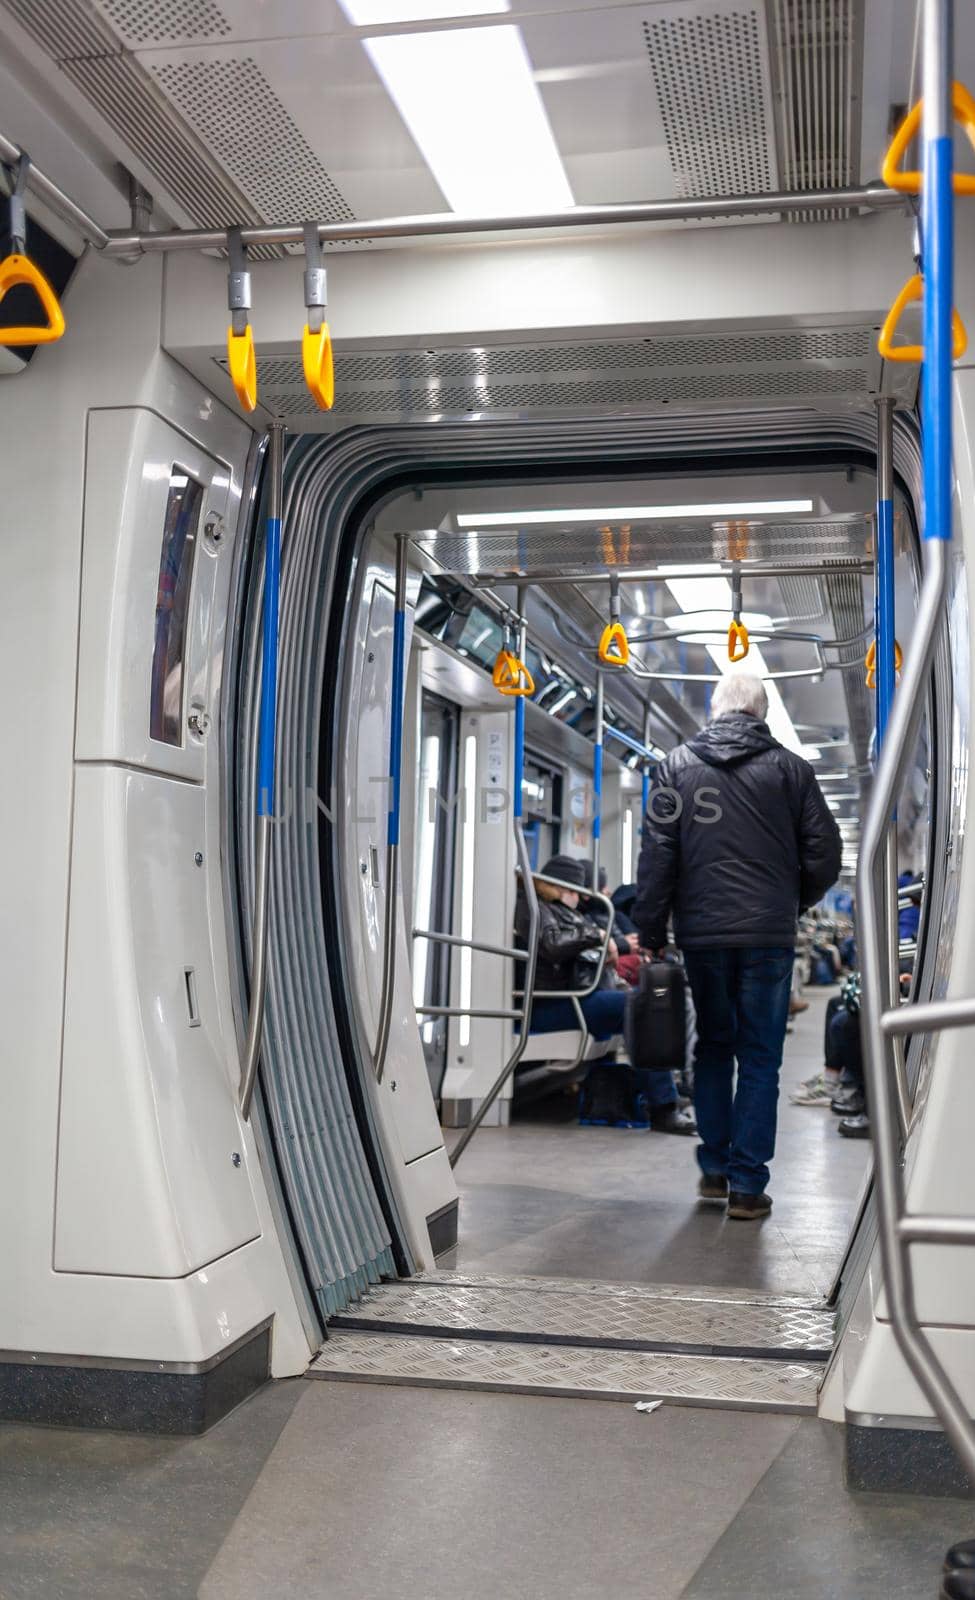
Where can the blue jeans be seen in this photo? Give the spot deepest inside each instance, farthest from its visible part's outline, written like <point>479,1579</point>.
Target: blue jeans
<point>603,1012</point>
<point>742,1003</point>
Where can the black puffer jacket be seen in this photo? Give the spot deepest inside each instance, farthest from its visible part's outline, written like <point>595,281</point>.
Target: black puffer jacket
<point>564,937</point>
<point>738,838</point>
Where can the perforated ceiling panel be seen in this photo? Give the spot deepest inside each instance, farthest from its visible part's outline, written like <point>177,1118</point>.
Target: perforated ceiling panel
<point>232,107</point>
<point>706,370</point>
<point>154,22</point>
<point>710,69</point>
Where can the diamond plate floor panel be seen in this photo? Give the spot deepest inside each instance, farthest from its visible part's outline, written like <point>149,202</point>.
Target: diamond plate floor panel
<point>565,1315</point>
<point>639,1291</point>
<point>568,1371</point>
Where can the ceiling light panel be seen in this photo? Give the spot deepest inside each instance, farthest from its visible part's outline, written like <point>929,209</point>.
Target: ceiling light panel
<point>739,508</point>
<point>436,80</point>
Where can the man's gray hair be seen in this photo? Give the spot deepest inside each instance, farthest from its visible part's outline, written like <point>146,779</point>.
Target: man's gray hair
<point>740,691</point>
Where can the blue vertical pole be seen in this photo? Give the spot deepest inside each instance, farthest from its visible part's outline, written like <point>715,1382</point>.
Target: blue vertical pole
<point>392,821</point>
<point>267,739</point>
<point>266,752</point>
<point>937,226</point>
<point>886,670</point>
<point>597,781</point>
<point>645,796</point>
<point>517,799</point>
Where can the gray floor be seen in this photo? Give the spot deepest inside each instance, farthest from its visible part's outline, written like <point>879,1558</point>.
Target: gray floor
<point>563,1201</point>
<point>314,1491</point>
<point>359,1492</point>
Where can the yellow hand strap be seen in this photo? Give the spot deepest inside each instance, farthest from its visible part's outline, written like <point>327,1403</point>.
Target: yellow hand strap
<point>243,366</point>
<point>913,290</point>
<point>870,662</point>
<point>319,367</point>
<point>614,646</point>
<point>738,645</point>
<point>511,676</point>
<point>17,270</point>
<point>963,107</point>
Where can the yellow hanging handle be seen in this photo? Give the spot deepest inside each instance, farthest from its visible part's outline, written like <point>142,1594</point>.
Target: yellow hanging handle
<point>912,291</point>
<point>614,646</point>
<point>870,662</point>
<point>19,269</point>
<point>511,676</point>
<point>318,365</point>
<point>738,645</point>
<point>963,107</point>
<point>243,366</point>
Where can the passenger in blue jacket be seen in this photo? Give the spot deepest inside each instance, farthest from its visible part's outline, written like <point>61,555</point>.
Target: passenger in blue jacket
<point>738,839</point>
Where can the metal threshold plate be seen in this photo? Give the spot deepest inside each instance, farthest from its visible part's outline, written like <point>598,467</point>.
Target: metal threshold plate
<point>603,1286</point>
<point>568,1371</point>
<point>608,1321</point>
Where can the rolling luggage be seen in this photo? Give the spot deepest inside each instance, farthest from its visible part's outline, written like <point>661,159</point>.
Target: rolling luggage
<point>655,1018</point>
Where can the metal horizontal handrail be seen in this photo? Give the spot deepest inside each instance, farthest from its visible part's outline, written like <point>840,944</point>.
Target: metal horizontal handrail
<point>937,1230</point>
<point>463,1011</point>
<point>448,224</point>
<point>470,944</point>
<point>928,1016</point>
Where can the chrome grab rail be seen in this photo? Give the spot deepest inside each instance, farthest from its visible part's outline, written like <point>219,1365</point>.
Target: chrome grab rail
<point>898,1230</point>
<point>525,866</point>
<point>529,994</point>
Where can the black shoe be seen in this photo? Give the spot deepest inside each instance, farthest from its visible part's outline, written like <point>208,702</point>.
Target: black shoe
<point>673,1120</point>
<point>713,1187</point>
<point>961,1556</point>
<point>959,1585</point>
<point>854,1127</point>
<point>848,1103</point>
<point>748,1207</point>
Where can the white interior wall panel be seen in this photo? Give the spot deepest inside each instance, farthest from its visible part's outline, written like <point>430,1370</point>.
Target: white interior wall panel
<point>159,1121</point>
<point>148,1183</point>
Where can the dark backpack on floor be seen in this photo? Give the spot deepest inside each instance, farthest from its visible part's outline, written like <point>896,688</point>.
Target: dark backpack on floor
<point>655,1023</point>
<point>614,1096</point>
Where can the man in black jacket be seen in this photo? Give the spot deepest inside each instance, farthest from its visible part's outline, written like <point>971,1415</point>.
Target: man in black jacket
<point>738,838</point>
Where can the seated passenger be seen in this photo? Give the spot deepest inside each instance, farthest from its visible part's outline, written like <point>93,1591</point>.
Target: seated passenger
<point>568,953</point>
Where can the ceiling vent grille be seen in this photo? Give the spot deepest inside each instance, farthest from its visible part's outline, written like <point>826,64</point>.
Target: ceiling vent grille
<point>64,28</point>
<point>233,109</point>
<point>819,67</point>
<point>145,24</point>
<point>710,70</point>
<point>743,368</point>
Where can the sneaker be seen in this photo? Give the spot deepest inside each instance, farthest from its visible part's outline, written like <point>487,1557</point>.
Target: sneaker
<point>848,1103</point>
<point>817,1091</point>
<point>713,1188</point>
<point>748,1207</point>
<point>854,1127</point>
<point>674,1120</point>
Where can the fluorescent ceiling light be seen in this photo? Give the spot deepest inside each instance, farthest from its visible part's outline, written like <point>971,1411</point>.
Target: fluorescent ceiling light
<point>381,13</point>
<point>438,81</point>
<point>738,508</point>
<point>811,752</point>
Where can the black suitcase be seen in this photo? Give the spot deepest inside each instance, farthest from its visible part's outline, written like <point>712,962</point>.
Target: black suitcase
<point>655,1026</point>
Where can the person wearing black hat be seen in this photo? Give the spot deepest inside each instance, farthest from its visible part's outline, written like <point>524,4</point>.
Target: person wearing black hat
<point>568,953</point>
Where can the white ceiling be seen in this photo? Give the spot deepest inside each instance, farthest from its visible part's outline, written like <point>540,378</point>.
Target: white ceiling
<point>280,98</point>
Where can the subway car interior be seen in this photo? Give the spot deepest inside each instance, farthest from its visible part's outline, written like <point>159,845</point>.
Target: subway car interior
<point>419,420</point>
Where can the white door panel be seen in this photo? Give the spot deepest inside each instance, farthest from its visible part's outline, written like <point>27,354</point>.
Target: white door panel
<point>147,1106</point>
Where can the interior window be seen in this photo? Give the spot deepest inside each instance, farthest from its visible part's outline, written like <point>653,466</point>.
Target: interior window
<point>183,505</point>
